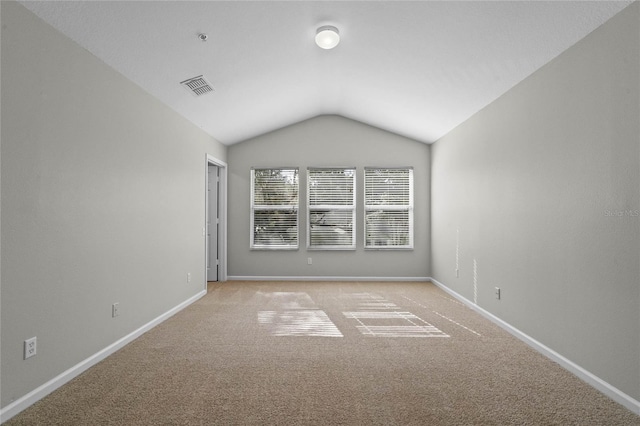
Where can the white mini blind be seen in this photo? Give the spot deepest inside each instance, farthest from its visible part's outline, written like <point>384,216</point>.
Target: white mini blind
<point>388,208</point>
<point>274,208</point>
<point>331,208</point>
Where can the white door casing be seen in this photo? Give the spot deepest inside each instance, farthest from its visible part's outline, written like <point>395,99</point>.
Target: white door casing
<point>213,183</point>
<point>215,226</point>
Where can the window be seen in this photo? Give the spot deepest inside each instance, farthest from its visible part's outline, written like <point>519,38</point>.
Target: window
<point>274,208</point>
<point>388,208</point>
<point>332,208</point>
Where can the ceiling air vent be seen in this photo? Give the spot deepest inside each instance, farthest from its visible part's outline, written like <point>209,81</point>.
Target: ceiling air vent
<point>198,86</point>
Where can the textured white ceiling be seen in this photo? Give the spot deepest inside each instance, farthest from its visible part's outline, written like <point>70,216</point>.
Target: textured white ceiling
<point>415,68</point>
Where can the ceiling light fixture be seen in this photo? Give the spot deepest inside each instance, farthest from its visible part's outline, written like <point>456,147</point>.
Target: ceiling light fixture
<point>327,37</point>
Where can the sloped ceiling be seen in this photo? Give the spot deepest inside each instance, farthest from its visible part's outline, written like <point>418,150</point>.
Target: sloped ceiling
<point>415,68</point>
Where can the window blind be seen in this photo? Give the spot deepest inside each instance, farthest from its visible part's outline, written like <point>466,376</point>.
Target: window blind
<point>331,208</point>
<point>388,208</point>
<point>274,208</point>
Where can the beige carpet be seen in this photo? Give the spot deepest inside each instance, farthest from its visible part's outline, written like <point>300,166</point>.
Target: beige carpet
<point>273,353</point>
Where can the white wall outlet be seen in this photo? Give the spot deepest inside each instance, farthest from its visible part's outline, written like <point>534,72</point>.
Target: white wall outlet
<point>498,293</point>
<point>309,261</point>
<point>30,346</point>
<point>115,310</point>
<point>188,277</point>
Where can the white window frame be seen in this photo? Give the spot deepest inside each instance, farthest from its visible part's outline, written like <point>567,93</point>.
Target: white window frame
<point>266,207</point>
<point>372,207</point>
<point>331,207</point>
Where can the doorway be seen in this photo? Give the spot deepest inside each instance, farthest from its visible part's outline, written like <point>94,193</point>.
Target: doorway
<point>215,220</point>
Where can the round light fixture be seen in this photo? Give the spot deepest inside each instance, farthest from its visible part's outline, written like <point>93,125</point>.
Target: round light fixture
<point>327,37</point>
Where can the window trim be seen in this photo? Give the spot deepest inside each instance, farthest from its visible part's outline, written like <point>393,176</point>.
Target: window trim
<point>352,207</point>
<point>253,208</point>
<point>392,207</point>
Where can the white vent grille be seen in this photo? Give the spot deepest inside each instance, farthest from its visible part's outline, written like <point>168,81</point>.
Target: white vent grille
<point>198,86</point>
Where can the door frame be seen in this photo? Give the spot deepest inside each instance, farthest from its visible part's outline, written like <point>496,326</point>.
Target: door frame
<point>222,225</point>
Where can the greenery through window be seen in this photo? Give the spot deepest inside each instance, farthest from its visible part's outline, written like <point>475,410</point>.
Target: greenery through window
<point>331,208</point>
<point>274,208</point>
<point>389,208</point>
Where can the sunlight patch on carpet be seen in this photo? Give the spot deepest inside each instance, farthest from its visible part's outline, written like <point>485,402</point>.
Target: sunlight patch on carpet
<point>299,323</point>
<point>393,324</point>
<point>370,301</point>
<point>444,316</point>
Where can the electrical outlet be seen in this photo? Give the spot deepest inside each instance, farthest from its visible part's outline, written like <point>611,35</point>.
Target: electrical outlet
<point>188,277</point>
<point>309,261</point>
<point>30,346</point>
<point>498,293</point>
<point>115,310</point>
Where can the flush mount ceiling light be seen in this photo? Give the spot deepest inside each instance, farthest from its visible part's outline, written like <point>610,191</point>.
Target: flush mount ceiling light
<point>327,37</point>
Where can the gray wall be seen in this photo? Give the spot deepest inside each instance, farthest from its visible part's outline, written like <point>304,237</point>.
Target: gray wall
<point>102,202</point>
<point>543,186</point>
<point>327,141</point>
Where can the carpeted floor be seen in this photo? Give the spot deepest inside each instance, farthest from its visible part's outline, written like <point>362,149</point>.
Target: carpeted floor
<point>319,353</point>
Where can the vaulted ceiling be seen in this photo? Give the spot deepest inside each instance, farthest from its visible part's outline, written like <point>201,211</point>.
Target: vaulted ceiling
<point>416,68</point>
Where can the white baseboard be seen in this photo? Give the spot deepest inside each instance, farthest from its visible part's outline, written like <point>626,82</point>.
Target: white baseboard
<point>590,378</point>
<point>320,278</point>
<point>40,392</point>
